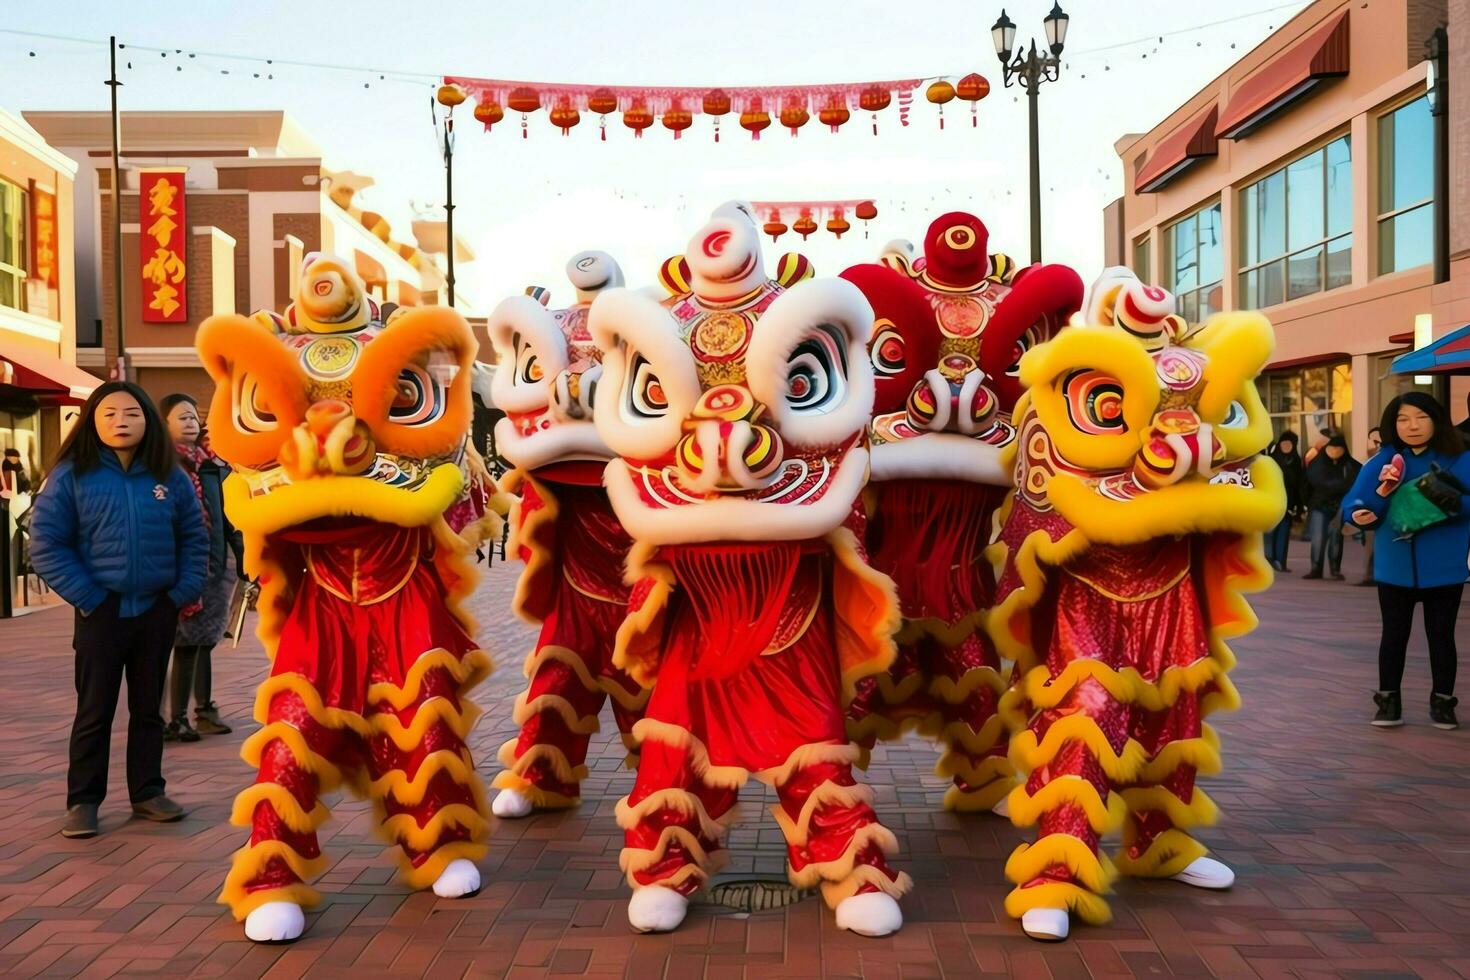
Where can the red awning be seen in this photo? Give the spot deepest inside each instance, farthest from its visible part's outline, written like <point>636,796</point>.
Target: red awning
<point>1321,55</point>
<point>1189,143</point>
<point>45,376</point>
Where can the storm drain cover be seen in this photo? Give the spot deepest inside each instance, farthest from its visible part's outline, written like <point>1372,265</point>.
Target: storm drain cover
<point>754,893</point>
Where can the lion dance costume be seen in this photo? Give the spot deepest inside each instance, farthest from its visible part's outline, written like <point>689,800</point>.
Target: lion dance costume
<point>347,438</point>
<point>739,412</point>
<point>945,347</point>
<point>1122,557</point>
<point>566,533</point>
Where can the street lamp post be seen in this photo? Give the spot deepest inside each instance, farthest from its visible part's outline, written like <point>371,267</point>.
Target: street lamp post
<point>448,96</point>
<point>1438,47</point>
<point>1030,69</point>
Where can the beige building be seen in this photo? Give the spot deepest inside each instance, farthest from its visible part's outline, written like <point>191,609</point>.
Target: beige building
<point>256,198</point>
<point>1300,182</point>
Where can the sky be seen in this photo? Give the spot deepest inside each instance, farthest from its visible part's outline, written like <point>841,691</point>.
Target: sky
<point>525,205</point>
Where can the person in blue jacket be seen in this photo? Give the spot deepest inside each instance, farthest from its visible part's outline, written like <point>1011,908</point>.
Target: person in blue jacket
<point>117,532</point>
<point>1427,566</point>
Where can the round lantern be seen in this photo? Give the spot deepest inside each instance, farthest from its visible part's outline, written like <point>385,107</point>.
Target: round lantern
<point>838,224</point>
<point>972,88</point>
<point>939,93</point>
<point>523,100</point>
<point>753,123</point>
<point>865,211</point>
<point>564,117</point>
<point>775,229</point>
<point>804,226</point>
<point>450,96</point>
<point>793,117</point>
<point>677,120</point>
<point>637,119</point>
<point>602,102</point>
<point>716,104</point>
<point>834,116</point>
<point>874,100</point>
<point>489,113</point>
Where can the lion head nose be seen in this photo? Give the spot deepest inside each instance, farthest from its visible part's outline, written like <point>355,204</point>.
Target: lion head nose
<point>324,415</point>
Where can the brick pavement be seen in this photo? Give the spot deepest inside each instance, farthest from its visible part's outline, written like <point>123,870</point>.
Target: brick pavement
<point>1351,844</point>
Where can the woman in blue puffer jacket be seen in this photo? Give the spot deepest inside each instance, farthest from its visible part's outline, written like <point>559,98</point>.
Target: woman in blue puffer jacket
<point>1426,566</point>
<point>117,532</point>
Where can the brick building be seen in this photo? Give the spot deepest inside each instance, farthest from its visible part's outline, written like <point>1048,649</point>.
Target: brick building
<point>1300,182</point>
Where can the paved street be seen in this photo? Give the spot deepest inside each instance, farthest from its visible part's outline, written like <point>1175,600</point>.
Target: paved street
<point>1352,846</point>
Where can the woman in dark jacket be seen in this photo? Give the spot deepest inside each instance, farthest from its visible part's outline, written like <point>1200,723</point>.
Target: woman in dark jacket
<point>1329,476</point>
<point>1426,566</point>
<point>199,630</point>
<point>1285,455</point>
<point>117,532</point>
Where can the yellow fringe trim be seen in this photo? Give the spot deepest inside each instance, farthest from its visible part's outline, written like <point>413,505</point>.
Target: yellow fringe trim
<point>1088,907</point>
<point>565,655</point>
<point>327,773</point>
<point>1203,753</point>
<point>1168,854</point>
<point>947,634</point>
<point>427,873</point>
<point>798,832</point>
<point>806,756</point>
<point>960,734</point>
<point>526,532</point>
<point>1068,791</point>
<point>729,777</point>
<point>298,685</point>
<point>635,859</point>
<point>561,767</point>
<point>955,692</point>
<point>638,647</point>
<point>242,904</point>
<point>467,671</point>
<point>410,792</point>
<point>979,800</point>
<point>834,892</point>
<point>1128,686</point>
<point>1092,870</point>
<point>901,692</point>
<point>883,728</point>
<point>838,869</point>
<point>404,828</point>
<point>577,724</point>
<point>1026,755</point>
<point>429,713</point>
<point>541,799</point>
<point>718,861</point>
<point>867,614</point>
<point>286,806</point>
<point>1199,812</point>
<point>248,862</point>
<point>681,801</point>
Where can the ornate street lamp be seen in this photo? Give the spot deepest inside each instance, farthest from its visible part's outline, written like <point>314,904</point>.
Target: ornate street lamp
<point>1438,50</point>
<point>1030,69</point>
<point>447,96</point>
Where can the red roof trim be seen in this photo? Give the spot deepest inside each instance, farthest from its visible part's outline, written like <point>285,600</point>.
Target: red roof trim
<point>1323,54</point>
<point>1187,145</point>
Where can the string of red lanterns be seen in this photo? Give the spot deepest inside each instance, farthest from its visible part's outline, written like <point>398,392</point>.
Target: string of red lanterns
<point>809,212</point>
<point>754,107</point>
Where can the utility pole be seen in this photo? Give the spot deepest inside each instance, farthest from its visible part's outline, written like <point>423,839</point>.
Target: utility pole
<point>123,369</point>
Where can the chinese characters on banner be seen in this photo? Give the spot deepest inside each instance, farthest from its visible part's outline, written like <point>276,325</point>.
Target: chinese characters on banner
<point>162,241</point>
<point>43,235</point>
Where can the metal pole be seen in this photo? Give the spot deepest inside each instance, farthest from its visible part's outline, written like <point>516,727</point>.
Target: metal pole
<point>449,200</point>
<point>122,369</point>
<point>1033,79</point>
<point>1439,45</point>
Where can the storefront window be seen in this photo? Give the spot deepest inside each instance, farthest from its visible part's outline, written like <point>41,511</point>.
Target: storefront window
<point>1143,259</point>
<point>1296,228</point>
<point>1194,263</point>
<point>1405,187</point>
<point>1309,399</point>
<point>12,246</point>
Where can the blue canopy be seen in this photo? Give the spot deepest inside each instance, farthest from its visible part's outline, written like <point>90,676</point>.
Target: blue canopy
<point>1449,354</point>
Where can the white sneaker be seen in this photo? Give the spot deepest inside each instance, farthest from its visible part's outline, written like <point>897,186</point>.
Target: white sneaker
<point>869,914</point>
<point>459,879</point>
<point>275,922</point>
<point>510,804</point>
<point>1206,872</point>
<point>654,908</point>
<point>1048,925</point>
<point>1003,808</point>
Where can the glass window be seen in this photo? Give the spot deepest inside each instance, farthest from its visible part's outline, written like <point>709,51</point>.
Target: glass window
<point>12,246</point>
<point>1309,399</point>
<point>1405,187</point>
<point>1194,262</point>
<point>1143,259</point>
<point>1297,228</point>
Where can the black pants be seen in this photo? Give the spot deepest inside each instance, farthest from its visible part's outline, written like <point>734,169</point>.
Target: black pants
<point>108,648</point>
<point>192,673</point>
<point>1441,608</point>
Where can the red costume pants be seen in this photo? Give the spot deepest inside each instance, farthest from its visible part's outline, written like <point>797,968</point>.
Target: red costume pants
<point>1113,727</point>
<point>946,680</point>
<point>571,669</point>
<point>368,687</point>
<point>749,683</point>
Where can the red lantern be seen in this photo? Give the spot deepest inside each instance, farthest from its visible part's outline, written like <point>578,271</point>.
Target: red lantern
<point>716,104</point>
<point>804,226</point>
<point>450,96</point>
<point>523,100</point>
<point>489,113</point>
<point>775,229</point>
<point>564,117</point>
<point>793,117</point>
<point>874,100</point>
<point>865,211</point>
<point>972,88</point>
<point>939,93</point>
<point>834,116</point>
<point>838,224</point>
<point>753,123</point>
<point>637,118</point>
<point>677,120</point>
<point>602,102</point>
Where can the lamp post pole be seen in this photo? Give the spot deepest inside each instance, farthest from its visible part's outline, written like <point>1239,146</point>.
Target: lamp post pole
<point>122,369</point>
<point>1030,69</point>
<point>448,96</point>
<point>1439,105</point>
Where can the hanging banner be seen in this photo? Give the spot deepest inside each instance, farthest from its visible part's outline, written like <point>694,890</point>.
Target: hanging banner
<point>163,237</point>
<point>43,235</point>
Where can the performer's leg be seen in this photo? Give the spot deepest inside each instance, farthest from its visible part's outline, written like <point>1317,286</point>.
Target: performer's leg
<point>629,702</point>
<point>557,715</point>
<point>887,703</point>
<point>967,686</point>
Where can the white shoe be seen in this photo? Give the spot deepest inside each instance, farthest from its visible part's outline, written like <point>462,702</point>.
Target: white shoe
<point>510,804</point>
<point>275,922</point>
<point>459,879</point>
<point>1003,808</point>
<point>869,914</point>
<point>654,908</point>
<point>1048,925</point>
<point>1206,872</point>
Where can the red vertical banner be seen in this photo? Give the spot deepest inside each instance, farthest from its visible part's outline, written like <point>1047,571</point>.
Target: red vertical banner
<point>163,236</point>
<point>43,235</point>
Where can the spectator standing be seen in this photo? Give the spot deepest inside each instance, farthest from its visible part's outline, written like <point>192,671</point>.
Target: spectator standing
<point>200,629</point>
<point>118,533</point>
<point>1330,475</point>
<point>1365,534</point>
<point>1420,554</point>
<point>1293,476</point>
